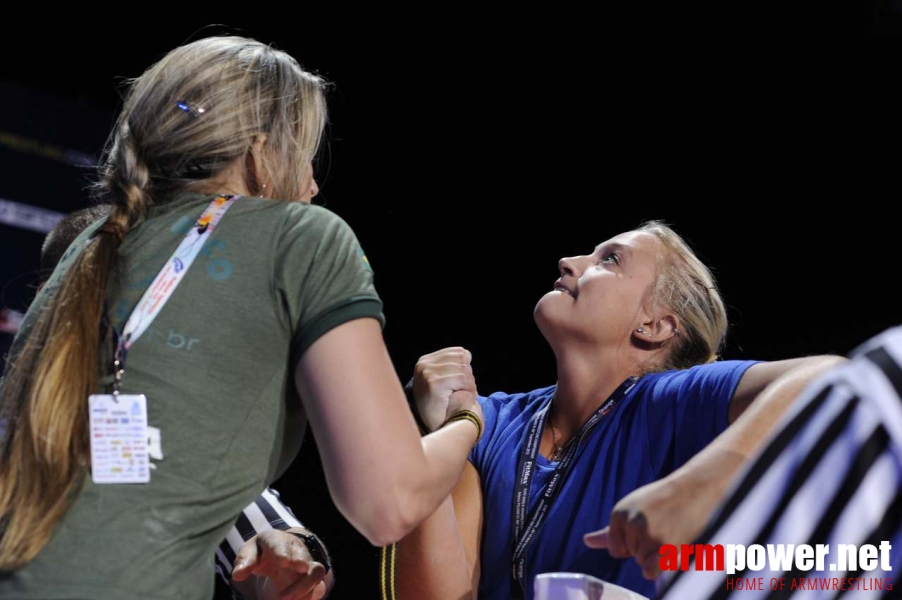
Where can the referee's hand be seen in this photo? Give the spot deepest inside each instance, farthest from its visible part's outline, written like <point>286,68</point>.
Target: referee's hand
<point>673,510</point>
<point>282,566</point>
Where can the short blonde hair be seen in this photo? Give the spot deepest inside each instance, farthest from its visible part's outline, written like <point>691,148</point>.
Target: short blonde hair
<point>686,286</point>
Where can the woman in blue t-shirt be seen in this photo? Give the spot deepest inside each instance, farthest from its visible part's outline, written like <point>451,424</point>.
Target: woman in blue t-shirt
<point>635,327</point>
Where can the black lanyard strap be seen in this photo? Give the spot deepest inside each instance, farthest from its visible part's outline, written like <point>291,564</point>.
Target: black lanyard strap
<point>525,529</point>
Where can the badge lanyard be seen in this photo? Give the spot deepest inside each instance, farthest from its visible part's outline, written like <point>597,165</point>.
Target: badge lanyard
<point>526,528</point>
<point>121,440</point>
<point>165,283</point>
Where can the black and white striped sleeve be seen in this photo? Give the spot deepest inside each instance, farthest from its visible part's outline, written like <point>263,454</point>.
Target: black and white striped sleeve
<point>831,475</point>
<point>264,513</point>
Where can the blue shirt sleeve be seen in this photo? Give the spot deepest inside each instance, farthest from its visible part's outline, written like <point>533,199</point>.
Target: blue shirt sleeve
<point>491,406</point>
<point>685,410</point>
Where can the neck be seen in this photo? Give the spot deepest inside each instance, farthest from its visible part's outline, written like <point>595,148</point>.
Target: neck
<point>585,381</point>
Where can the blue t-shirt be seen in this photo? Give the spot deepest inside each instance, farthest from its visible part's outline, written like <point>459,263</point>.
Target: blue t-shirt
<point>664,420</point>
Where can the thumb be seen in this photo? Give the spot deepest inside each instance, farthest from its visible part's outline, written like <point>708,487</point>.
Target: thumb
<point>245,561</point>
<point>597,539</point>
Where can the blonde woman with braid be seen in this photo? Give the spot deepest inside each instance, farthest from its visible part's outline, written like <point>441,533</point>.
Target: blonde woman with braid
<point>215,310</point>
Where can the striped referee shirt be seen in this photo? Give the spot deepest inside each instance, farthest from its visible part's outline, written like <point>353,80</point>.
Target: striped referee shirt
<point>832,475</point>
<point>266,512</point>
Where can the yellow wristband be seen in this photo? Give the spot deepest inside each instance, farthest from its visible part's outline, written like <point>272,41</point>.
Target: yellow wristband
<point>466,415</point>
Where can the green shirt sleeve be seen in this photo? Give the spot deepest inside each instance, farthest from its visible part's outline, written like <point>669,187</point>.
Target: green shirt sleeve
<point>322,278</point>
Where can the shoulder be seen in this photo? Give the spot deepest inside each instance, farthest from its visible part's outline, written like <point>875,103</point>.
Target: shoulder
<point>311,225</point>
<point>287,214</point>
<point>293,227</point>
<point>74,249</point>
<point>506,407</point>
<point>716,377</point>
<point>302,213</point>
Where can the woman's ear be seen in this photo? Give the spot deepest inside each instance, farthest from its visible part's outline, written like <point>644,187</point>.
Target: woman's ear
<point>657,330</point>
<point>257,180</point>
<point>259,144</point>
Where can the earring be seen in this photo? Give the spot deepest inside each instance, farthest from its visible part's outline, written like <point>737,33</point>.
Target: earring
<point>262,190</point>
<point>640,330</point>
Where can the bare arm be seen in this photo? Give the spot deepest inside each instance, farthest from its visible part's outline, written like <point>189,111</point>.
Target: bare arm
<point>758,377</point>
<point>439,560</point>
<point>382,476</point>
<point>764,393</point>
<point>644,519</point>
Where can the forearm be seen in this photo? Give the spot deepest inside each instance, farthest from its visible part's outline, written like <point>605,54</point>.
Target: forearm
<point>399,494</point>
<point>445,454</point>
<point>383,477</point>
<point>440,559</point>
<point>711,470</point>
<point>431,561</point>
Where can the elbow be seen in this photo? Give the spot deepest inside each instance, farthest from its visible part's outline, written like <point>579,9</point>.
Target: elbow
<point>388,519</point>
<point>386,534</point>
<point>389,526</point>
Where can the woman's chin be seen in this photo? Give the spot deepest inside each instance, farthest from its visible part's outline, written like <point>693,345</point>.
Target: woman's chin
<point>545,316</point>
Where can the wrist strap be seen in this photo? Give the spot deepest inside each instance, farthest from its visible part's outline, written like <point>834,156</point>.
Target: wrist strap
<point>466,415</point>
<point>460,415</point>
<point>315,548</point>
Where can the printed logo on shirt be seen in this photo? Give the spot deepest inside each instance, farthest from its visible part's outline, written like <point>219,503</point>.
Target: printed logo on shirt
<point>366,261</point>
<point>160,338</point>
<point>219,268</point>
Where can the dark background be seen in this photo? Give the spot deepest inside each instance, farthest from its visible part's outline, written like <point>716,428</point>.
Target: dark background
<point>470,151</point>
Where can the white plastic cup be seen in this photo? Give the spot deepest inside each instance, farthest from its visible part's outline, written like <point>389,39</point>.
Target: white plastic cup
<point>579,586</point>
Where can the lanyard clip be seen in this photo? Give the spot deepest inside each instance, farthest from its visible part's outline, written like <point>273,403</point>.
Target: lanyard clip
<point>118,370</point>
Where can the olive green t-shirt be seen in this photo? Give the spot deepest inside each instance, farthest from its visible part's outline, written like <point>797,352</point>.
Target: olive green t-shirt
<point>216,367</point>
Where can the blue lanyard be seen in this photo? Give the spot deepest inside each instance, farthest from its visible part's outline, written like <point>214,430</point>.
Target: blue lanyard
<point>526,528</point>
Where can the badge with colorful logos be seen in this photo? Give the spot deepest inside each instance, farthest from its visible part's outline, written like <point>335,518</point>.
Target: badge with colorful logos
<point>118,429</point>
